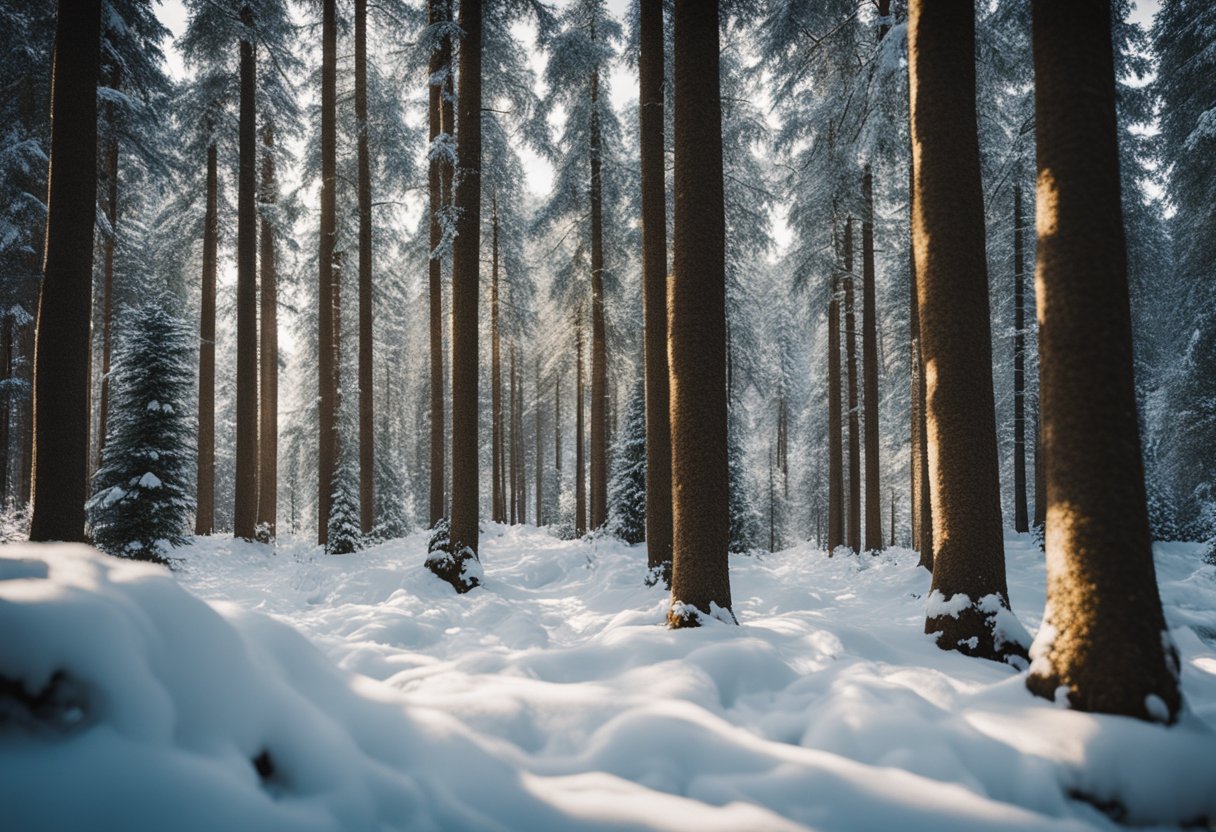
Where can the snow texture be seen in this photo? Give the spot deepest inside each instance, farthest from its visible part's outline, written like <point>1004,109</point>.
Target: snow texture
<point>359,693</point>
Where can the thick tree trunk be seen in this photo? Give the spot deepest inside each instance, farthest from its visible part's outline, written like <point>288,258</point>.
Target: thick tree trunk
<point>245,510</point>
<point>835,428</point>
<point>869,360</point>
<point>367,423</point>
<point>654,291</point>
<point>108,249</point>
<point>327,371</point>
<point>700,583</point>
<point>441,121</point>
<point>268,439</point>
<point>465,295</point>
<point>498,509</point>
<point>599,346</point>
<point>850,334</point>
<point>204,517</point>
<point>580,478</point>
<point>951,269</point>
<point>61,368</point>
<point>1108,646</point>
<point>1020,522</point>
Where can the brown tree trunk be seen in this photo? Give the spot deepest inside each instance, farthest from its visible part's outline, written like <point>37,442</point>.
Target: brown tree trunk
<point>61,364</point>
<point>367,424</point>
<point>850,333</point>
<point>245,510</point>
<point>835,428</point>
<point>1108,649</point>
<point>869,360</point>
<point>700,583</point>
<point>922,518</point>
<point>1020,522</point>
<point>465,295</point>
<point>599,347</point>
<point>952,281</point>
<point>580,478</point>
<point>654,291</point>
<point>204,515</point>
<point>268,439</point>
<point>441,121</point>
<point>108,248</point>
<point>327,371</point>
<point>540,465</point>
<point>498,509</point>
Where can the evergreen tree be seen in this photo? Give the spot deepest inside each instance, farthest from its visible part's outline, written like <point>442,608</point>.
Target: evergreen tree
<point>344,534</point>
<point>627,488</point>
<point>744,515</point>
<point>143,492</point>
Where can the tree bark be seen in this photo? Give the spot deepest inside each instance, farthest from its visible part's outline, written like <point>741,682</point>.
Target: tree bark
<point>1020,522</point>
<point>327,371</point>
<point>599,346</point>
<point>952,282</point>
<point>268,439</point>
<point>1109,647</point>
<point>836,523</point>
<point>245,510</point>
<point>850,333</point>
<point>465,295</point>
<point>61,363</point>
<point>441,121</point>
<point>204,516</point>
<point>700,583</point>
<point>497,502</point>
<point>869,359</point>
<point>367,423</point>
<point>580,478</point>
<point>922,517</point>
<point>654,291</point>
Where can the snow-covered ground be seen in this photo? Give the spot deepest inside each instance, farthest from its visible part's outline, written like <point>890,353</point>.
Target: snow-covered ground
<point>372,698</point>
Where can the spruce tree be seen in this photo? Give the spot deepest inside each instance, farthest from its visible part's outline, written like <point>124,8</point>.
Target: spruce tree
<point>143,492</point>
<point>343,534</point>
<point>627,488</point>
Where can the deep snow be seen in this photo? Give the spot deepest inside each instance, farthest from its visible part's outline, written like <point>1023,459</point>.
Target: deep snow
<point>553,698</point>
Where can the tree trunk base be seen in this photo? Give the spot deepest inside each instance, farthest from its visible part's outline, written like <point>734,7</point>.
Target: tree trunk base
<point>982,630</point>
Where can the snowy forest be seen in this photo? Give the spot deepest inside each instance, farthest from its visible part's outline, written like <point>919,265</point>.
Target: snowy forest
<point>607,414</point>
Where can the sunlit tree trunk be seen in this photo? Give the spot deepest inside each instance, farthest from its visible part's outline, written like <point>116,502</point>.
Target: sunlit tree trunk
<point>1105,641</point>
<point>700,583</point>
<point>951,271</point>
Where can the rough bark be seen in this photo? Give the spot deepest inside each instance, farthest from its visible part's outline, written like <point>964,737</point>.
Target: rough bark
<point>465,295</point>
<point>1020,522</point>
<point>367,423</point>
<point>327,378</point>
<point>869,361</point>
<point>498,509</point>
<point>61,363</point>
<point>1109,650</point>
<point>835,428</point>
<point>952,283</point>
<point>700,582</point>
<point>580,478</point>
<point>599,346</point>
<point>245,510</point>
<point>850,333</point>
<point>654,290</point>
<point>268,433</point>
<point>439,113</point>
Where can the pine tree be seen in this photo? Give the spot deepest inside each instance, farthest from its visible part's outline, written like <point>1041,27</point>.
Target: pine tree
<point>745,526</point>
<point>142,498</point>
<point>344,535</point>
<point>627,488</point>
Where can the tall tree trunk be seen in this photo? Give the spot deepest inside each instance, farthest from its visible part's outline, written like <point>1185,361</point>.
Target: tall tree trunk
<point>1020,522</point>
<point>952,282</point>
<point>204,515</point>
<point>850,334</point>
<point>654,291</point>
<point>869,360</point>
<point>514,472</point>
<point>441,121</point>
<point>465,295</point>
<point>497,502</point>
<point>922,518</point>
<point>700,583</point>
<point>540,464</point>
<point>1107,646</point>
<point>599,347</point>
<point>61,368</point>
<point>108,249</point>
<point>367,423</point>
<point>327,371</point>
<point>268,439</point>
<point>836,523</point>
<point>580,478</point>
<point>245,510</point>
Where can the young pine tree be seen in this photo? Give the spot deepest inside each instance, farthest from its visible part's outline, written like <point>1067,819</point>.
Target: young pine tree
<point>143,492</point>
<point>627,488</point>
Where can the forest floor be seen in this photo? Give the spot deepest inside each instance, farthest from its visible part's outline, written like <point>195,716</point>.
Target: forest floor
<point>553,698</point>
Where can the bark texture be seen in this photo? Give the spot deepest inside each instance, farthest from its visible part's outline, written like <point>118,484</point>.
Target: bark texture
<point>268,438</point>
<point>952,282</point>
<point>327,370</point>
<point>61,362</point>
<point>1109,649</point>
<point>440,116</point>
<point>869,360</point>
<point>367,423</point>
<point>204,517</point>
<point>700,583</point>
<point>654,291</point>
